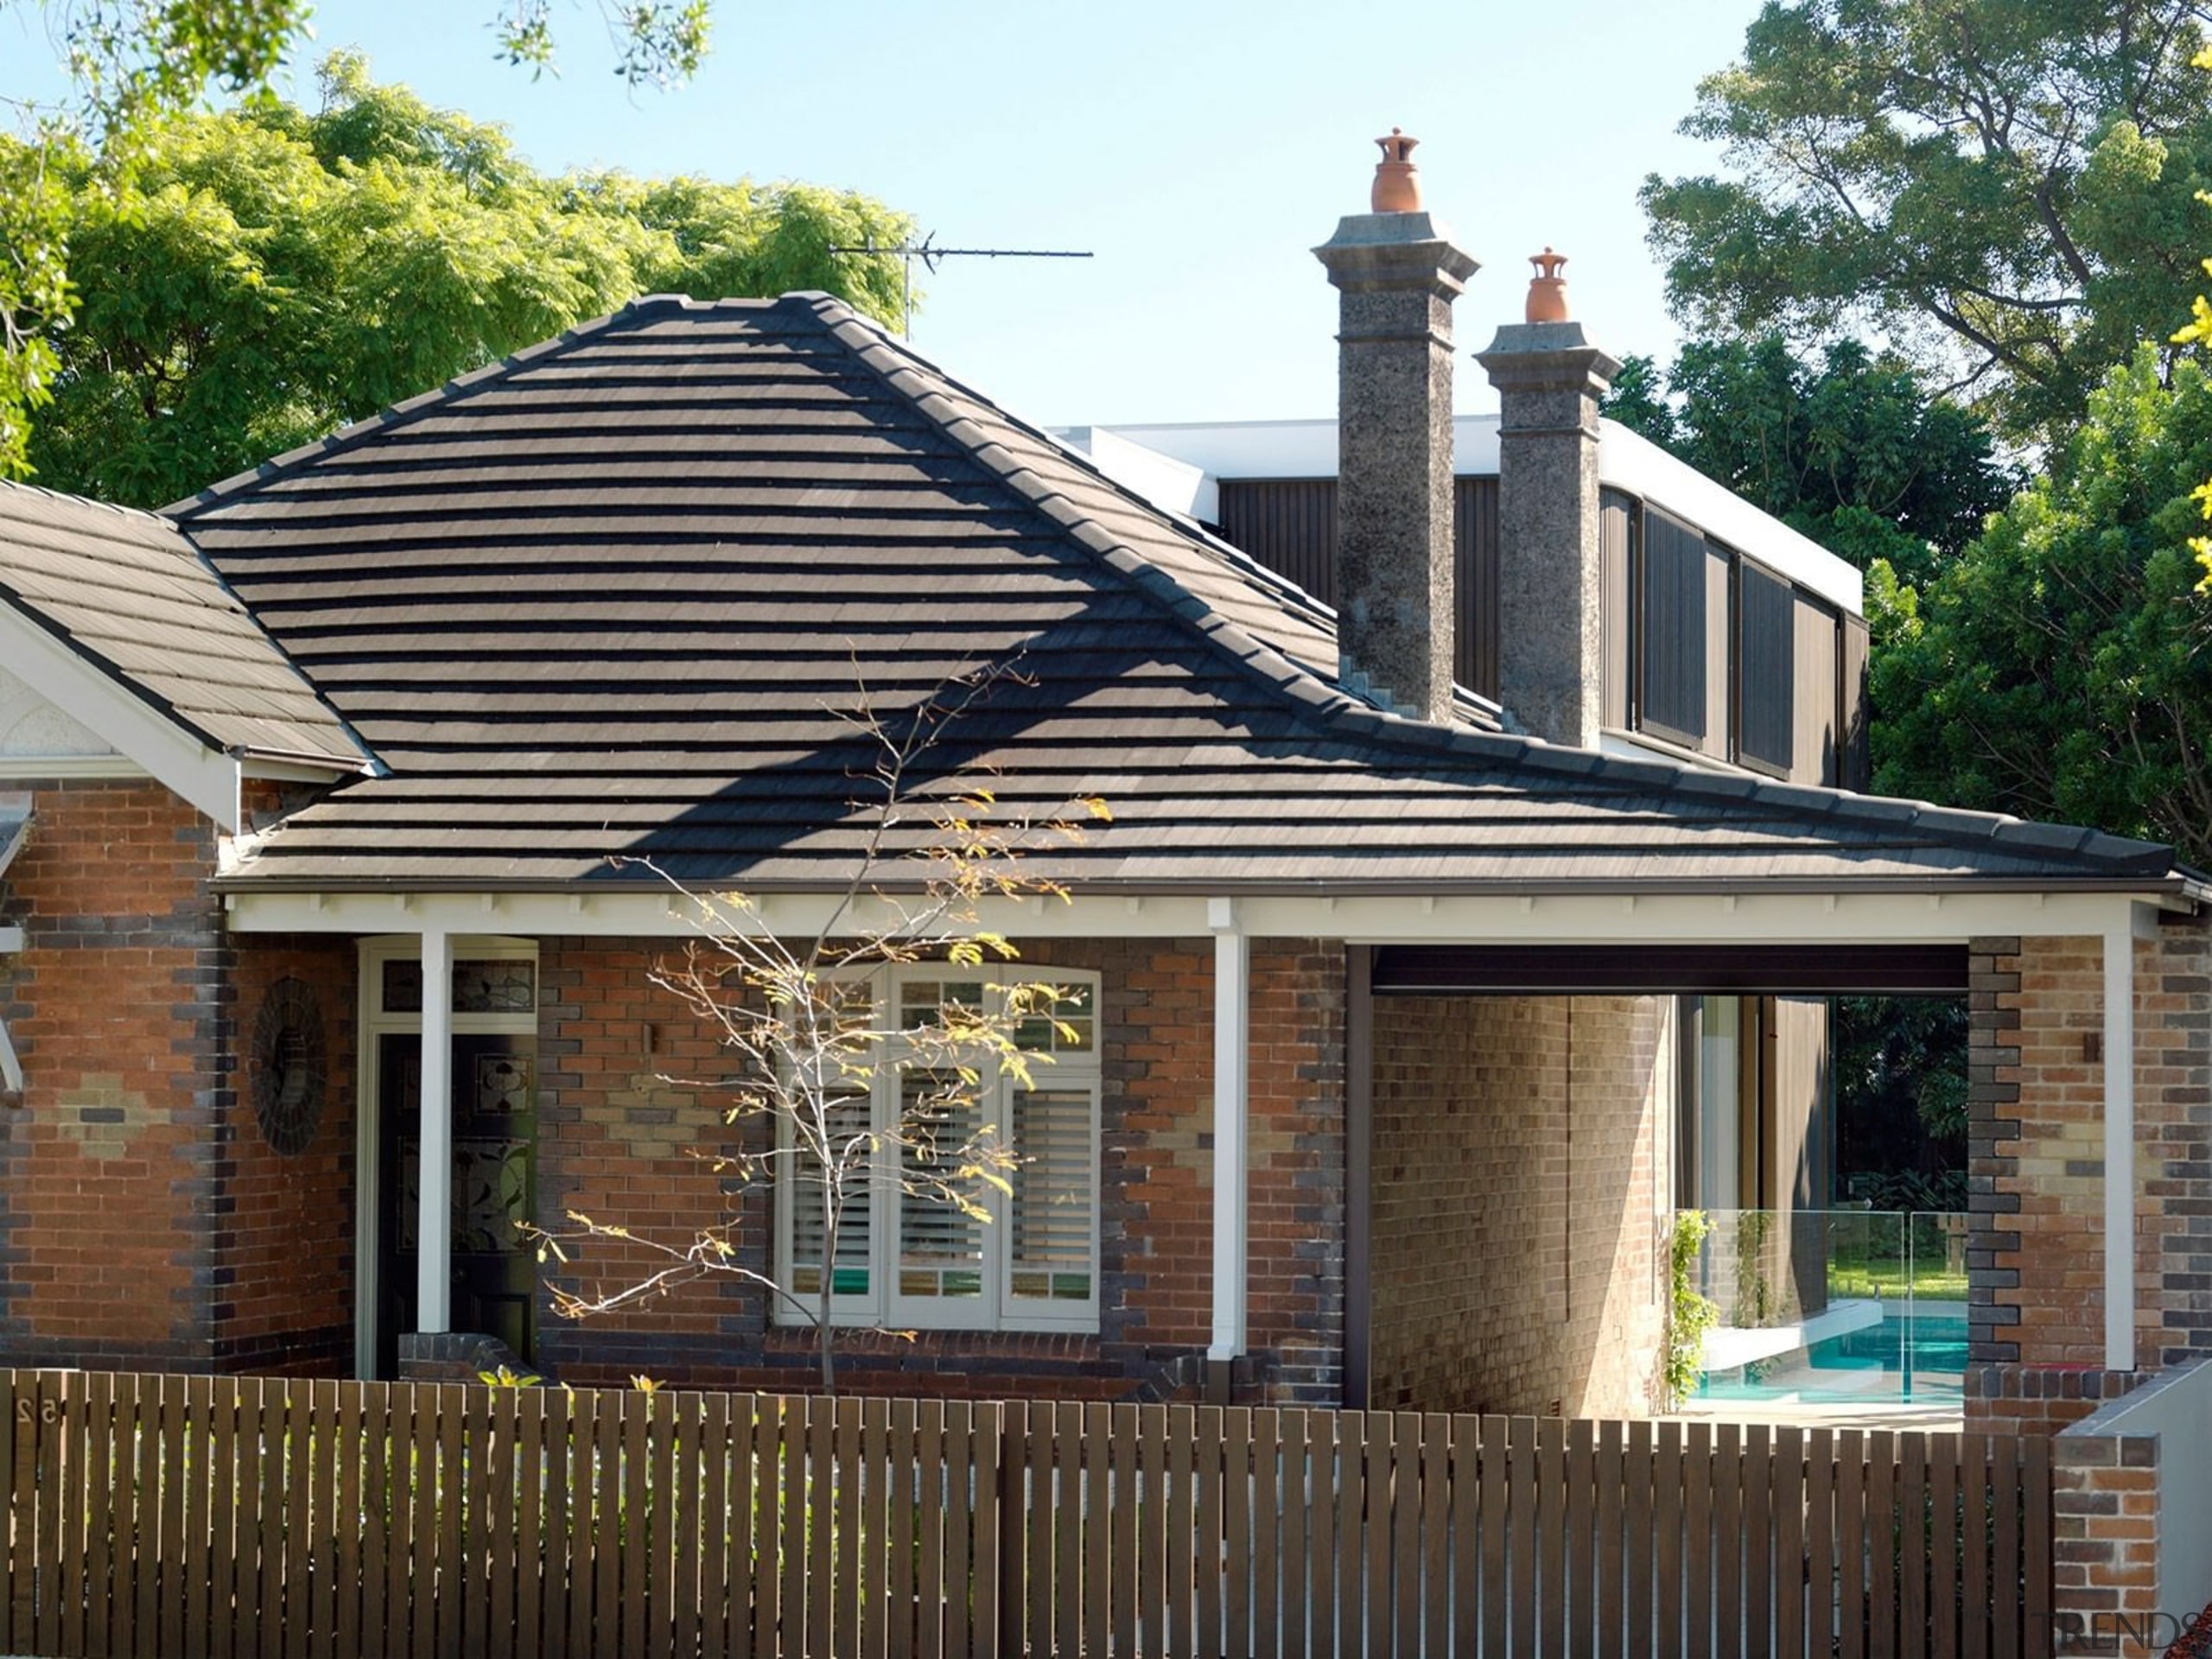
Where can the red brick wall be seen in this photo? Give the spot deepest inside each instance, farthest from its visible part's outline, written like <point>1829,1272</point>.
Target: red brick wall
<point>1519,1146</point>
<point>2040,1399</point>
<point>615,1141</point>
<point>2173,1119</point>
<point>2104,1574</point>
<point>147,1221</point>
<point>115,1007</point>
<point>615,1144</point>
<point>284,1240</point>
<point>2037,1169</point>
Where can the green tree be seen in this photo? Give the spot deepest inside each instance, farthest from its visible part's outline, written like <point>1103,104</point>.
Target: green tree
<point>268,275</point>
<point>135,62</point>
<point>2198,332</point>
<point>1901,1085</point>
<point>1852,453</point>
<point>2060,669</point>
<point>2003,187</point>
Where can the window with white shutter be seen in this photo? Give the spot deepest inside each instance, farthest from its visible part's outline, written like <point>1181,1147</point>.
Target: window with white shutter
<point>941,1246</point>
<point>807,1222</point>
<point>1029,1261</point>
<point>1051,1234</point>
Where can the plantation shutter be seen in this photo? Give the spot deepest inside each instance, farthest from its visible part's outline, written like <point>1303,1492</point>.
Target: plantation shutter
<point>940,1247</point>
<point>1053,1217</point>
<point>848,1117</point>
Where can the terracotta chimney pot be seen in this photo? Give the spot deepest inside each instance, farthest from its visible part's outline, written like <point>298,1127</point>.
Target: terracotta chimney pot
<point>1397,181</point>
<point>1547,289</point>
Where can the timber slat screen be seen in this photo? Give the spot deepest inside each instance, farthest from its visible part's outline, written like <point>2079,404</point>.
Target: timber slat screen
<point>283,1519</point>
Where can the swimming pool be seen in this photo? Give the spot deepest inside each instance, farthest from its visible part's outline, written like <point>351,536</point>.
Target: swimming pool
<point>1914,1352</point>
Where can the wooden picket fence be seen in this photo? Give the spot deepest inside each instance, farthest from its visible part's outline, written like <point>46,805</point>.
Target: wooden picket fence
<point>244,1517</point>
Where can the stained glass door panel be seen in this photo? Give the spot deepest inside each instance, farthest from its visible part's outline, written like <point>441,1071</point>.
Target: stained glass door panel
<point>494,1182</point>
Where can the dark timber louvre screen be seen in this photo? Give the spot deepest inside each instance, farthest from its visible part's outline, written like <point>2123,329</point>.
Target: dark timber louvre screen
<point>1674,629</point>
<point>1766,624</point>
<point>1289,524</point>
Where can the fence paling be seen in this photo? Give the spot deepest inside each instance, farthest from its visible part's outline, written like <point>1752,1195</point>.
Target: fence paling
<point>250,1516</point>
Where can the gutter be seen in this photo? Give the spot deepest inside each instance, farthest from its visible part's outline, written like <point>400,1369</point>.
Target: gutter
<point>320,759</point>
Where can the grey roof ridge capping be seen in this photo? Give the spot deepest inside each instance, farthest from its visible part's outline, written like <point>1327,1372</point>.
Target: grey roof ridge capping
<point>910,364</point>
<point>460,386</point>
<point>909,373</point>
<point>1261,661</point>
<point>1340,709</point>
<point>115,507</point>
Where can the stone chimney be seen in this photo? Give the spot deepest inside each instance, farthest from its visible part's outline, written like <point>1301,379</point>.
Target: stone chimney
<point>1397,271</point>
<point>1551,649</point>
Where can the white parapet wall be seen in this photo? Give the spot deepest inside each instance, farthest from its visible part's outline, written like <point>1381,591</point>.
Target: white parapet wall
<point>2164,1428</point>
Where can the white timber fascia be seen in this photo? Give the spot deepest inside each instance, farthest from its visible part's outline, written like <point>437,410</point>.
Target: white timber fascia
<point>1748,917</point>
<point>299,772</point>
<point>205,778</point>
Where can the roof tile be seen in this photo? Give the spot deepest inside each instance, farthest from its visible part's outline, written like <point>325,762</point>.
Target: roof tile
<point>129,595</point>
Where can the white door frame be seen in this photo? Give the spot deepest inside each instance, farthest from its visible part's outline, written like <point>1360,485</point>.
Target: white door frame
<point>373,1023</point>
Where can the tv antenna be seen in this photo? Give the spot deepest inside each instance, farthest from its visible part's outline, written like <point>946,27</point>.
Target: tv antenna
<point>929,253</point>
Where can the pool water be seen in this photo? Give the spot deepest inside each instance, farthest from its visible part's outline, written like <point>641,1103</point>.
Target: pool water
<point>1866,1366</point>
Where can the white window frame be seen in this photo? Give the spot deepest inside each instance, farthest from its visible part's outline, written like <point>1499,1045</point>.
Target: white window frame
<point>997,1308</point>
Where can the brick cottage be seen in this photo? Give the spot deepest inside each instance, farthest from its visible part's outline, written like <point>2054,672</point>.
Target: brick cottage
<point>335,798</point>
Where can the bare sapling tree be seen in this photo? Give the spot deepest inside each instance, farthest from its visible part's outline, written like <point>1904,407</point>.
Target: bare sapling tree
<point>816,1042</point>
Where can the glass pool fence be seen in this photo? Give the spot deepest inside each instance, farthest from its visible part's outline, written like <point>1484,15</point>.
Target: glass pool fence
<point>1835,1307</point>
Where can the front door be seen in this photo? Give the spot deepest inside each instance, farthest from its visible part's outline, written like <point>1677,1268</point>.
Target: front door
<point>494,1267</point>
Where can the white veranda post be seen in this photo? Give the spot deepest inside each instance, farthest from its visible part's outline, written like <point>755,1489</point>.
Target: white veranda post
<point>434,1179</point>
<point>1232,1074</point>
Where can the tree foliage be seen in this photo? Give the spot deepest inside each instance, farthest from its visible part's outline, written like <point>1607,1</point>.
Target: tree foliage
<point>137,63</point>
<point>269,274</point>
<point>2004,187</point>
<point>2198,332</point>
<point>1901,1084</point>
<point>2061,669</point>
<point>131,58</point>
<point>1852,452</point>
<point>657,42</point>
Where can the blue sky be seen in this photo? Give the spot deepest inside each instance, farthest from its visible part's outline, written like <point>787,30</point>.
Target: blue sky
<point>1200,151</point>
